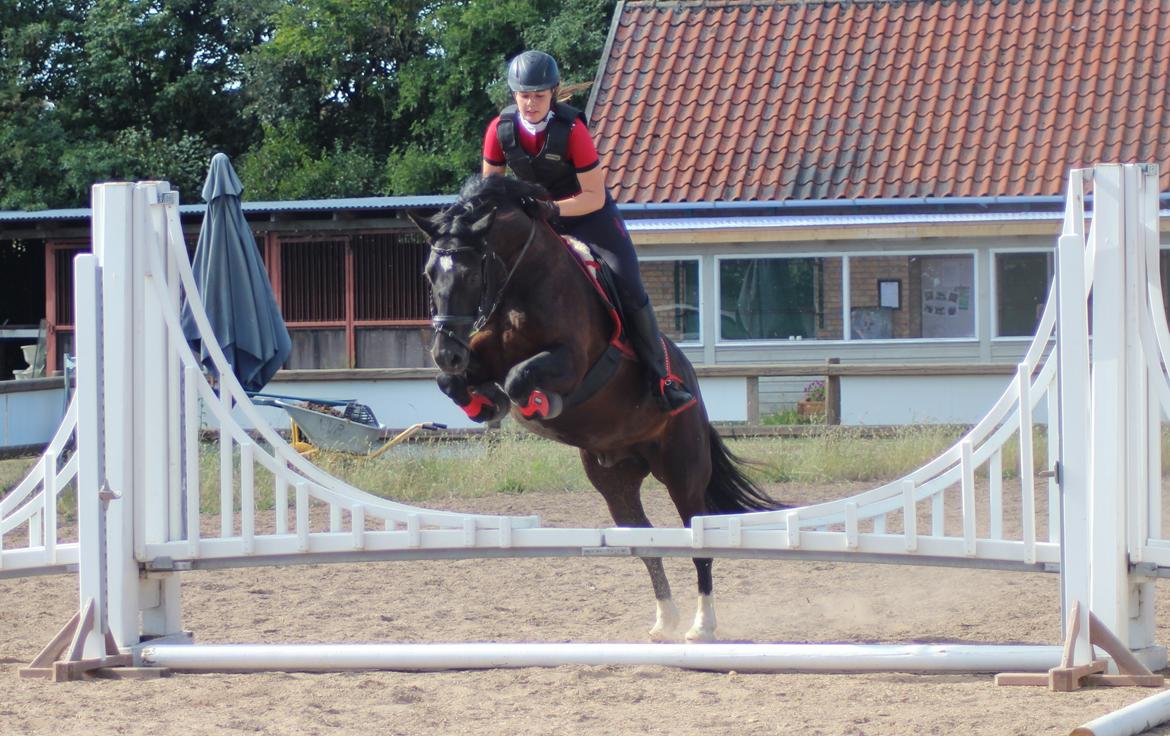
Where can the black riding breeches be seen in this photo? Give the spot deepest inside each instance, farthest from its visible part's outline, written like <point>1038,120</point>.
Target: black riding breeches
<point>606,235</point>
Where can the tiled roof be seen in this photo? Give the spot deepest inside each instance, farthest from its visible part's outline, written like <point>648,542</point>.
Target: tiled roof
<point>723,101</point>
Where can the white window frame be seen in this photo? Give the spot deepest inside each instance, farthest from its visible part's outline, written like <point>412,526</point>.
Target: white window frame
<point>720,341</point>
<point>699,307</point>
<point>993,273</point>
<point>847,296</point>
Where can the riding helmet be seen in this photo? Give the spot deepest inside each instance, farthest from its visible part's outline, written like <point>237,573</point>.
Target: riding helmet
<point>533,71</point>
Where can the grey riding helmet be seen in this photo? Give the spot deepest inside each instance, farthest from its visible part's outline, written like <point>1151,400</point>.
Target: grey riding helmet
<point>533,71</point>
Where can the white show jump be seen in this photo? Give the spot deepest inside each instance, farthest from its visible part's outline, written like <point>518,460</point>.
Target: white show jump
<point>142,399</point>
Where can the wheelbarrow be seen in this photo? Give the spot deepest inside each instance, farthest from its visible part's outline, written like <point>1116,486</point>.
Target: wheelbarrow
<point>340,425</point>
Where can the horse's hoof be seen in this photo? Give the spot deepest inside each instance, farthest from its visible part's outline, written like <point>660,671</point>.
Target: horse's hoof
<point>666,621</point>
<point>659,635</point>
<point>703,628</point>
<point>700,636</point>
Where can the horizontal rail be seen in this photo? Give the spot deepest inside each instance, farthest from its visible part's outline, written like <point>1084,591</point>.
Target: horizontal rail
<point>933,658</point>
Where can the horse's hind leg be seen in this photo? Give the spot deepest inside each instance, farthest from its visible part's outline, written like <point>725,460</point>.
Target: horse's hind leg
<point>684,467</point>
<point>621,485</point>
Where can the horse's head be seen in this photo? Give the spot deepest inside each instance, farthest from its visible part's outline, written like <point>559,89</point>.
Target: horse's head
<point>470,264</point>
<point>457,270</point>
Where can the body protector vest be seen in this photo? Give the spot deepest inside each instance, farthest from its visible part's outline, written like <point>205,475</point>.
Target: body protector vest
<point>548,167</point>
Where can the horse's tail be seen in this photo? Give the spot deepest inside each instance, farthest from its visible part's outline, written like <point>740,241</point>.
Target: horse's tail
<point>730,491</point>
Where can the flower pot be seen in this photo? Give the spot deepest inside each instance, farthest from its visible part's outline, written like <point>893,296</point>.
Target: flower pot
<point>807,408</point>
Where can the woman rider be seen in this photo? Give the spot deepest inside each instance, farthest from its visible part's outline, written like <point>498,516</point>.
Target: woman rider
<point>547,142</point>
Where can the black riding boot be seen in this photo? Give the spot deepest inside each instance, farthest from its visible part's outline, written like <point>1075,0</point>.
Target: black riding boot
<point>668,389</point>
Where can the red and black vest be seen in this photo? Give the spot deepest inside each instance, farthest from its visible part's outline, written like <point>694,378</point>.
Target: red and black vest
<point>549,167</point>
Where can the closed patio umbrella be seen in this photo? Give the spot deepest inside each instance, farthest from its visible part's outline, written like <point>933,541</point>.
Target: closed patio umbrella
<point>234,286</point>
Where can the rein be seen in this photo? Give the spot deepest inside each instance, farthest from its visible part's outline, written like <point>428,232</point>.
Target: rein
<point>490,297</point>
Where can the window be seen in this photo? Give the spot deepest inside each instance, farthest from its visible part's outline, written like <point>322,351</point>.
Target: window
<point>1022,281</point>
<point>673,287</point>
<point>1164,277</point>
<point>895,297</point>
<point>779,298</point>
<point>947,295</point>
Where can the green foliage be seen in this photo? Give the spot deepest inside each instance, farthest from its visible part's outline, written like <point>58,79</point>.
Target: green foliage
<point>120,89</point>
<point>286,167</point>
<point>313,98</point>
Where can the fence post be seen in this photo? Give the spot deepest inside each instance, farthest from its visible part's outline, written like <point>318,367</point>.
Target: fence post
<point>832,392</point>
<point>753,401</point>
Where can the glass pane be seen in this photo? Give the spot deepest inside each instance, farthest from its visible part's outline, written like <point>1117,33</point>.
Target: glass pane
<point>1022,281</point>
<point>673,287</point>
<point>948,289</point>
<point>394,347</point>
<point>878,307</point>
<point>908,297</point>
<point>1164,272</point>
<point>778,298</point>
<point>317,349</point>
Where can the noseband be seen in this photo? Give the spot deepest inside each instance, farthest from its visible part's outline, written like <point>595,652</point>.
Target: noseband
<point>490,295</point>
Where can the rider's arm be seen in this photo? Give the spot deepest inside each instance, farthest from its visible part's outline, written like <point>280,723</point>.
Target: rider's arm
<point>592,195</point>
<point>494,162</point>
<point>590,174</point>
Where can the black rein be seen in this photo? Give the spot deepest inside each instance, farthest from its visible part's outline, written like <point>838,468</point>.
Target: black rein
<point>490,297</point>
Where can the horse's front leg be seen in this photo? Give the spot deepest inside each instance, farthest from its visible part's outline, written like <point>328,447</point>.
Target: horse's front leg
<point>484,403</point>
<point>621,485</point>
<point>536,385</point>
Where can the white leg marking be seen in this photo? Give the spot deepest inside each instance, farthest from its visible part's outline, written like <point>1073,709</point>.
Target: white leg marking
<point>704,626</point>
<point>666,621</point>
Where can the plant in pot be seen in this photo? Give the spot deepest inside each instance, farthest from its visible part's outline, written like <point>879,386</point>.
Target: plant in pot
<point>813,403</point>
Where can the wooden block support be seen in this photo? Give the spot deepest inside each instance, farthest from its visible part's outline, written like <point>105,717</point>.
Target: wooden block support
<point>1067,677</point>
<point>61,660</point>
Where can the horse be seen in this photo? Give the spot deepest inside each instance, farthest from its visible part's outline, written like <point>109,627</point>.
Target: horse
<point>520,329</point>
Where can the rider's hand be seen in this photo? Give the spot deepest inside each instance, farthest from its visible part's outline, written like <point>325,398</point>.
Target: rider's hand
<point>541,209</point>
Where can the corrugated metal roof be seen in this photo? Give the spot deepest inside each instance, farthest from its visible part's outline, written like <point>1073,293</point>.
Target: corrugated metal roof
<point>815,221</point>
<point>695,215</point>
<point>301,205</point>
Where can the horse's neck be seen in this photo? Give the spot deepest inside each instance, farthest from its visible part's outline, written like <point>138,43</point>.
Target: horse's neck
<point>555,290</point>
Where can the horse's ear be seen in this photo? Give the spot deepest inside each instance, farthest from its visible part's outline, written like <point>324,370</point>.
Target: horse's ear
<point>428,227</point>
<point>481,225</point>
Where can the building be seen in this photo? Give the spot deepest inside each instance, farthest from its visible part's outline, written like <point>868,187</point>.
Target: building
<point>878,182</point>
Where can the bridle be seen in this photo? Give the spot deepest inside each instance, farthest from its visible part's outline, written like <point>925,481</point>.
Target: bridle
<point>490,295</point>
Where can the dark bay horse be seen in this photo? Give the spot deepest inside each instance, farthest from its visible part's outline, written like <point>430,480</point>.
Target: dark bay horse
<point>519,327</point>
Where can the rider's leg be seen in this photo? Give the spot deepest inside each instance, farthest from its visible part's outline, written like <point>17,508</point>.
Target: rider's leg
<point>642,328</point>
<point>606,232</point>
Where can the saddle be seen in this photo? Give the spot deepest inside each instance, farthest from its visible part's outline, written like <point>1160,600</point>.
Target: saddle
<point>604,283</point>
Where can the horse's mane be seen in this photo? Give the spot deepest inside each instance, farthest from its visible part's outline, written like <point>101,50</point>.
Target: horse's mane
<point>481,194</point>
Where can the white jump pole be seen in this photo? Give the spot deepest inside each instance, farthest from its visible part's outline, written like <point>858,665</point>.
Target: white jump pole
<point>1132,719</point>
<point>931,658</point>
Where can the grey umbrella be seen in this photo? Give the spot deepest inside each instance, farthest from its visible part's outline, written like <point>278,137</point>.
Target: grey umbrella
<point>235,288</point>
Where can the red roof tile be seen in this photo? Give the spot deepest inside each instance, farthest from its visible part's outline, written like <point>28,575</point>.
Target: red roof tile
<point>829,99</point>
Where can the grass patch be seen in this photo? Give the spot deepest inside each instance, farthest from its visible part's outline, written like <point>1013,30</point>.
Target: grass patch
<point>514,462</point>
<point>13,470</point>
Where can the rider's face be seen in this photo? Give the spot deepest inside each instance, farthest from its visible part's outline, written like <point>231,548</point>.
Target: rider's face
<point>534,106</point>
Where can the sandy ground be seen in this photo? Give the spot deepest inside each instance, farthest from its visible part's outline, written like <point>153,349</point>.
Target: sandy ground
<point>554,600</point>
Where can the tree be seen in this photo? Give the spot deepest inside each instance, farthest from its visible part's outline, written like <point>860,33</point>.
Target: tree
<point>121,89</point>
<point>313,98</point>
